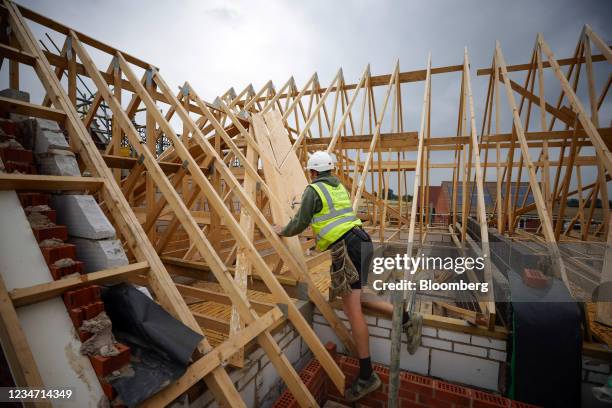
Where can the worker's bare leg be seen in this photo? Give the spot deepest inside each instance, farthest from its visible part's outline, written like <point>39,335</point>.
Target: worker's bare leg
<point>352,308</point>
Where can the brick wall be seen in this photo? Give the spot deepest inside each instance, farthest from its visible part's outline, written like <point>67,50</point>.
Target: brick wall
<point>453,356</point>
<point>414,390</point>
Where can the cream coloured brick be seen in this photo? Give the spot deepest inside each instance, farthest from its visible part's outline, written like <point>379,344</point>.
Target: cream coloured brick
<point>436,343</point>
<point>497,355</point>
<point>429,331</point>
<point>474,351</point>
<point>488,342</point>
<point>379,331</point>
<point>384,323</point>
<point>370,320</point>
<point>453,336</point>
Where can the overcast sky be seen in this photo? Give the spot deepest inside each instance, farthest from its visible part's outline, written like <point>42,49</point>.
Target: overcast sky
<point>218,44</point>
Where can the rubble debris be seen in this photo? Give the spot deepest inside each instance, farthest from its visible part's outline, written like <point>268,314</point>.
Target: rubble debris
<point>102,342</point>
<point>50,243</point>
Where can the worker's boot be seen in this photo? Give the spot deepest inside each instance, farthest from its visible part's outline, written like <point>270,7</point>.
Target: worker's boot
<point>360,388</point>
<point>413,328</point>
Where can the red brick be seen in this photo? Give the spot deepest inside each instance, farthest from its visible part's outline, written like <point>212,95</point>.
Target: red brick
<point>383,373</point>
<point>407,395</point>
<point>56,231</point>
<point>52,254</point>
<point>8,154</point>
<point>108,390</point>
<point>453,393</point>
<point>9,127</point>
<point>94,293</point>
<point>31,199</point>
<point>51,214</point>
<point>26,168</point>
<point>416,383</point>
<point>104,366</point>
<point>76,315</point>
<point>92,310</point>
<point>487,400</point>
<point>59,271</point>
<point>78,297</point>
<point>331,348</point>
<point>286,400</point>
<point>404,403</point>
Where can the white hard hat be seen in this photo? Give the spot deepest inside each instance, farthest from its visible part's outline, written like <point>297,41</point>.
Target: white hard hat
<point>320,161</point>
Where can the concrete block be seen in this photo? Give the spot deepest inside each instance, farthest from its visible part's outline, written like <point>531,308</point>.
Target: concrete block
<point>464,369</point>
<point>417,362</point>
<point>454,336</point>
<point>436,343</point>
<point>489,342</point>
<point>58,165</point>
<point>497,355</point>
<point>83,216</point>
<point>46,124</point>
<point>15,94</point>
<point>474,351</point>
<point>45,140</point>
<point>99,254</point>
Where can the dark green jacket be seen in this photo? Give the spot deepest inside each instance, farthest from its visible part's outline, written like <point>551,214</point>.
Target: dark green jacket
<point>310,205</point>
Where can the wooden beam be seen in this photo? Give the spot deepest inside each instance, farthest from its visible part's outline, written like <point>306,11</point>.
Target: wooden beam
<point>12,181</point>
<point>10,105</point>
<point>15,346</point>
<point>44,291</point>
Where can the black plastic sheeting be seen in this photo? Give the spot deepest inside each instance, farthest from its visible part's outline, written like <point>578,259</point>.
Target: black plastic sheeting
<point>161,346</point>
<point>547,345</point>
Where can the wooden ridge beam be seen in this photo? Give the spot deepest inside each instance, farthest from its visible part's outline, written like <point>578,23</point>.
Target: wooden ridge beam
<point>525,67</point>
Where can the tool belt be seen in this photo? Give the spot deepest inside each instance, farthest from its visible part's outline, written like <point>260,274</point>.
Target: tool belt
<point>342,270</point>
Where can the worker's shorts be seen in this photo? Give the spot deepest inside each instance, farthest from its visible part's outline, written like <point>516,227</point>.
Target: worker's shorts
<point>360,249</point>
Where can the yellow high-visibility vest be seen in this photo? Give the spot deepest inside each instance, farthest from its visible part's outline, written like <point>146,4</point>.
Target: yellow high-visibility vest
<point>335,218</point>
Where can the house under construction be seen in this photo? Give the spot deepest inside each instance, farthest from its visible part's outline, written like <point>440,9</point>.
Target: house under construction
<point>138,260</point>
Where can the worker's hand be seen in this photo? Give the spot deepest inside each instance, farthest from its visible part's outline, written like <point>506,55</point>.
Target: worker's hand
<point>277,229</point>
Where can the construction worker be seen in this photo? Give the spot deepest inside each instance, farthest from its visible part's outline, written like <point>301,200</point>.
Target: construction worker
<point>327,207</point>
